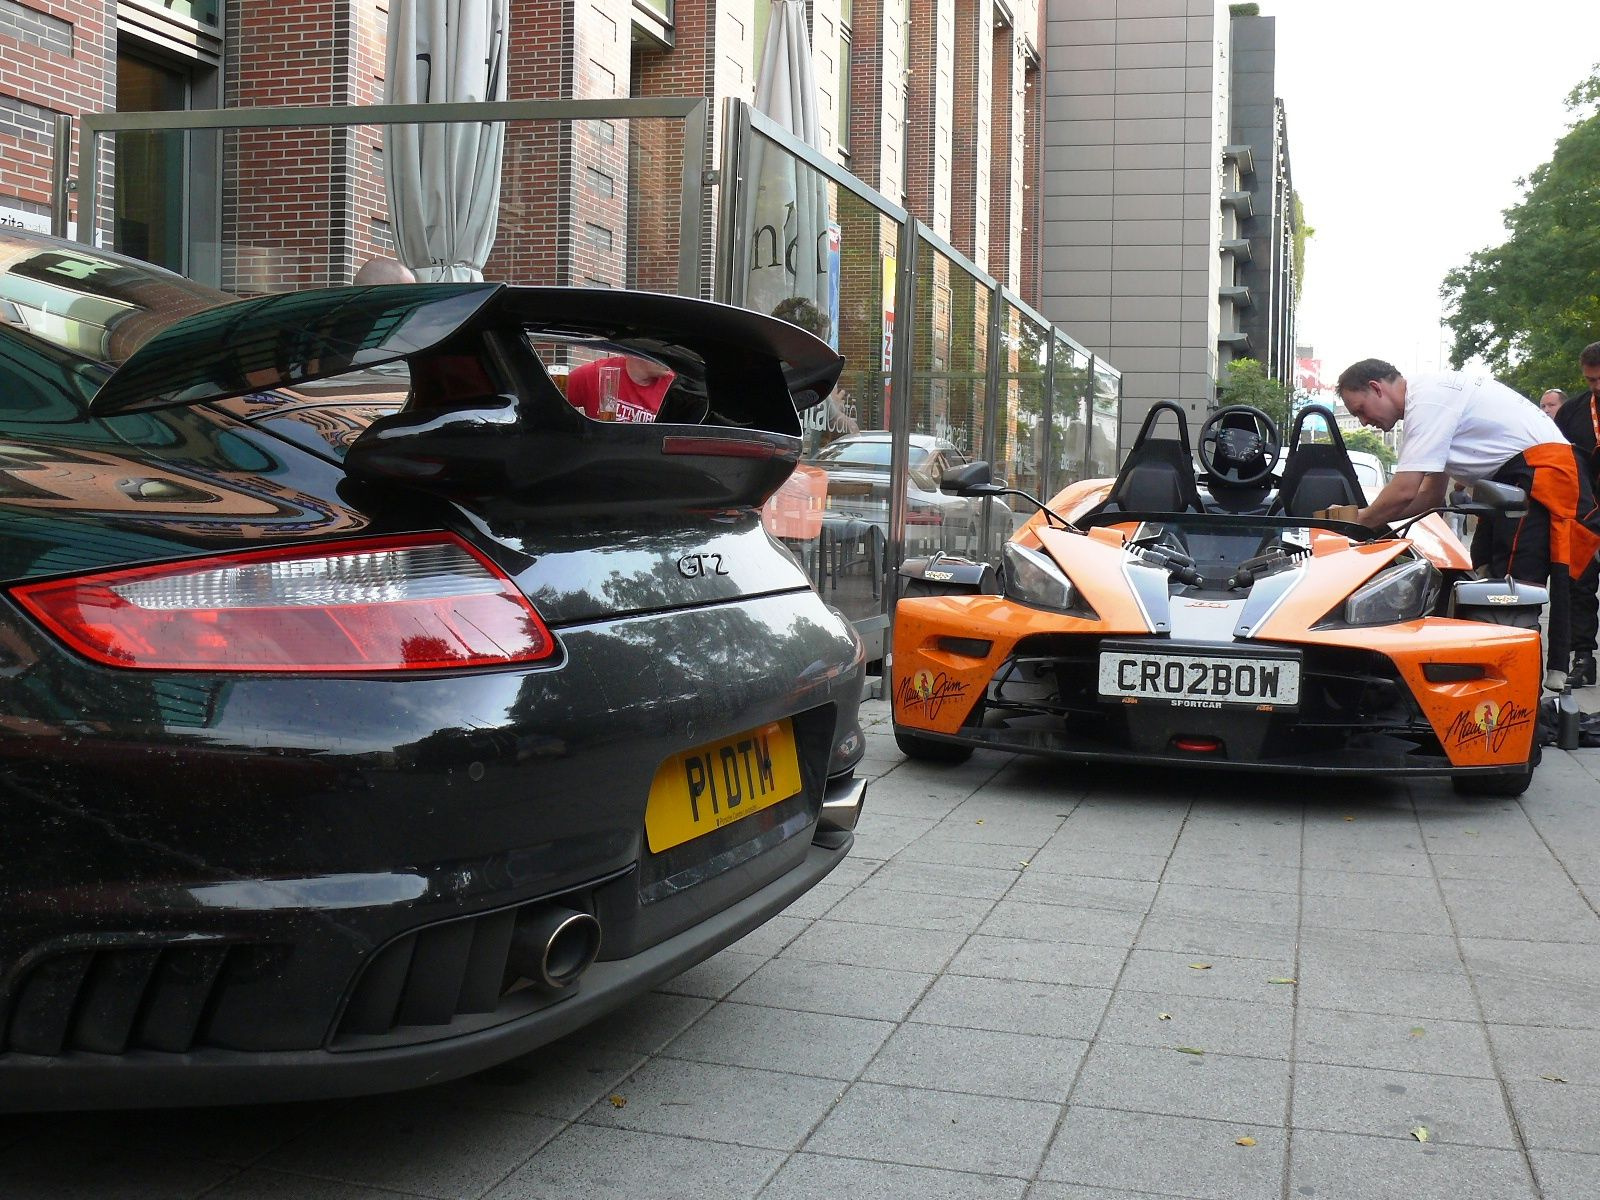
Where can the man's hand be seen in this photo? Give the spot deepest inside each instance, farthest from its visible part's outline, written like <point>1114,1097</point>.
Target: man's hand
<point>1339,512</point>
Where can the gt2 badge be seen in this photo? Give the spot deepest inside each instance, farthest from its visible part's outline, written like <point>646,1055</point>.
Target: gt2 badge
<point>927,693</point>
<point>1488,722</point>
<point>693,566</point>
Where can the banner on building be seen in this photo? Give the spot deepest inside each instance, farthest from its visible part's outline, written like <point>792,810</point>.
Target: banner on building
<point>1308,374</point>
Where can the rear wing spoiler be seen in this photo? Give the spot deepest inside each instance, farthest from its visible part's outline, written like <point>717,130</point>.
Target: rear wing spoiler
<point>483,417</point>
<point>299,337</point>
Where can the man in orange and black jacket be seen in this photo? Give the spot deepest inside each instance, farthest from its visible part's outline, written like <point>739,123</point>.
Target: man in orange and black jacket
<point>1579,422</point>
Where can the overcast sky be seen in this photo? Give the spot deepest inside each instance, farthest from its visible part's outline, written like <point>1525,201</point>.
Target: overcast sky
<point>1410,122</point>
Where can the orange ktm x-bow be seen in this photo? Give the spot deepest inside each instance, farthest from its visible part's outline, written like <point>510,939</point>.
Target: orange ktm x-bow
<point>1213,619</point>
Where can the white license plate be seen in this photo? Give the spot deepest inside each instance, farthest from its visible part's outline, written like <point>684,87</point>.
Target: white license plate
<point>1199,680</point>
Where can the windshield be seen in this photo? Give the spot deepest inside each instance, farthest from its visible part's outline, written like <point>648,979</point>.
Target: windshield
<point>846,453</point>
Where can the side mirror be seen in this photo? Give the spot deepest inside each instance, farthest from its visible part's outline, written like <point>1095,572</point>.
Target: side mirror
<point>970,480</point>
<point>1490,498</point>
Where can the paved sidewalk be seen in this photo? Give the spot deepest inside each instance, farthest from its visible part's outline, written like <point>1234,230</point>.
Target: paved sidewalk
<point>1030,981</point>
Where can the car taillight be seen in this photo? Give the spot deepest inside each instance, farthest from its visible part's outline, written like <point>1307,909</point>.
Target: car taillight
<point>414,602</point>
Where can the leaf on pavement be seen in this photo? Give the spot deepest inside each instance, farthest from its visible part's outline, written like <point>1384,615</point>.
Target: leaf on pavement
<point>1188,1050</point>
<point>1349,818</point>
<point>1554,1078</point>
<point>1418,1031</point>
<point>1284,980</point>
<point>1420,1133</point>
<point>1244,1141</point>
<point>1163,1016</point>
<point>617,1101</point>
<point>1200,966</point>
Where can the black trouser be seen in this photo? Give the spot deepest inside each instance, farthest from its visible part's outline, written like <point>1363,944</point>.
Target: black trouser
<point>1521,549</point>
<point>1585,608</point>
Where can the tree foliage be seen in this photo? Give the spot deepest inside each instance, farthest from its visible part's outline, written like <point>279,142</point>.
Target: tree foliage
<point>1247,383</point>
<point>1528,306</point>
<point>1370,441</point>
<point>1302,231</point>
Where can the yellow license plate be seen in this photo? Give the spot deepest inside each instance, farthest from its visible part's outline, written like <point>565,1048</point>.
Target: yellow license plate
<point>703,789</point>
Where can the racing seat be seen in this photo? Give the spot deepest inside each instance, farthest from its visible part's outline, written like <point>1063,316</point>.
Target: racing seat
<point>1158,474</point>
<point>1316,475</point>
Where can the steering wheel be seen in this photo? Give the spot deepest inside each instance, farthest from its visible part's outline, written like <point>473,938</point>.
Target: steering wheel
<point>1239,445</point>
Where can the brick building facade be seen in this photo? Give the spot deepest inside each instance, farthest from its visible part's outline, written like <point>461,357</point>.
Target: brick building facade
<point>934,111</point>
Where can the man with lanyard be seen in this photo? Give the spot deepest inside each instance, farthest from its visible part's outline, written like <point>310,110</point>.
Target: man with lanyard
<point>1579,420</point>
<point>1472,427</point>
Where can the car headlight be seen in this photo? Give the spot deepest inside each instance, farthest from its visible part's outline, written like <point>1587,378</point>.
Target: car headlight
<point>1034,578</point>
<point>1401,593</point>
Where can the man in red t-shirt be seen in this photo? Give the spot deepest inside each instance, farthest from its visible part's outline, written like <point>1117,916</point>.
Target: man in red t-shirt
<point>640,386</point>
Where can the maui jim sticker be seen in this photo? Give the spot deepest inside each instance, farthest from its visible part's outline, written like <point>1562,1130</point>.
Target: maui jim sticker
<point>1489,723</point>
<point>939,575</point>
<point>1501,598</point>
<point>928,693</point>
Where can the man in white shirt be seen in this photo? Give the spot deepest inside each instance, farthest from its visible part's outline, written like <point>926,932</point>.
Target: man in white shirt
<point>1472,427</point>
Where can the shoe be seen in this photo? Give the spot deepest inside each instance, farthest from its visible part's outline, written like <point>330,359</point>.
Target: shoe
<point>1583,670</point>
<point>1555,681</point>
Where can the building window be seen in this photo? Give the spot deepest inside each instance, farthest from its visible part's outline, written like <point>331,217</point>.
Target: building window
<point>845,36</point>
<point>151,169</point>
<point>600,183</point>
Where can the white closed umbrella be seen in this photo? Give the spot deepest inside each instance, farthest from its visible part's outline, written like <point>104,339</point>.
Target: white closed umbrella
<point>444,180</point>
<point>789,214</point>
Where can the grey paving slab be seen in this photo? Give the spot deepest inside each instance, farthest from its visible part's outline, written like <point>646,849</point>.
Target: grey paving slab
<point>1218,1026</point>
<point>560,1081</point>
<point>620,1164</point>
<point>1200,937</point>
<point>1376,1168</point>
<point>915,910</point>
<point>1166,1155</point>
<point>940,879</point>
<point>1557,1116</point>
<point>1085,891</point>
<point>418,1145</point>
<point>1378,914</point>
<point>1204,869</point>
<point>1172,1080</point>
<point>884,836</point>
<point>926,1128</point>
<point>769,938</point>
<point>832,988</point>
<point>954,848</point>
<point>1358,951</point>
<point>1529,983</point>
<point>1223,903</point>
<point>1043,962</point>
<point>1048,1190</point>
<point>1029,918</point>
<point>1563,1175</point>
<point>818,900</point>
<point>985,1062</point>
<point>1060,856</point>
<point>1503,870</point>
<point>827,1177</point>
<point>777,1039</point>
<point>1209,975</point>
<point>1399,890</point>
<point>717,976</point>
<point>1521,909</point>
<point>1429,994</point>
<point>645,1024</point>
<point>740,1105</point>
<point>1529,1053</point>
<point>893,947</point>
<point>1392,1041</point>
<point>1451,1108</point>
<point>1048,1009</point>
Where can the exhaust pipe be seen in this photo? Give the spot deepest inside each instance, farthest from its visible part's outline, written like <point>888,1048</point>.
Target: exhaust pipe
<point>552,948</point>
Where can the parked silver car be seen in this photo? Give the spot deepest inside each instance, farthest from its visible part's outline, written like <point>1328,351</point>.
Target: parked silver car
<point>858,489</point>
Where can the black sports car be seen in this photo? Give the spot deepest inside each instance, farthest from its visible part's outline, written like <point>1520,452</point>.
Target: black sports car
<point>370,715</point>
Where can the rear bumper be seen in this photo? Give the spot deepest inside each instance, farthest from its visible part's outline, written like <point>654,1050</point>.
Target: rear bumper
<point>146,1079</point>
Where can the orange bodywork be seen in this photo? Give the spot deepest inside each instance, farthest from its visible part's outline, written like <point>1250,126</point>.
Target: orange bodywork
<point>947,649</point>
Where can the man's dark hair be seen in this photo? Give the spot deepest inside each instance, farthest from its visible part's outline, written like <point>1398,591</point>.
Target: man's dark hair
<point>1589,356</point>
<point>1368,370</point>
